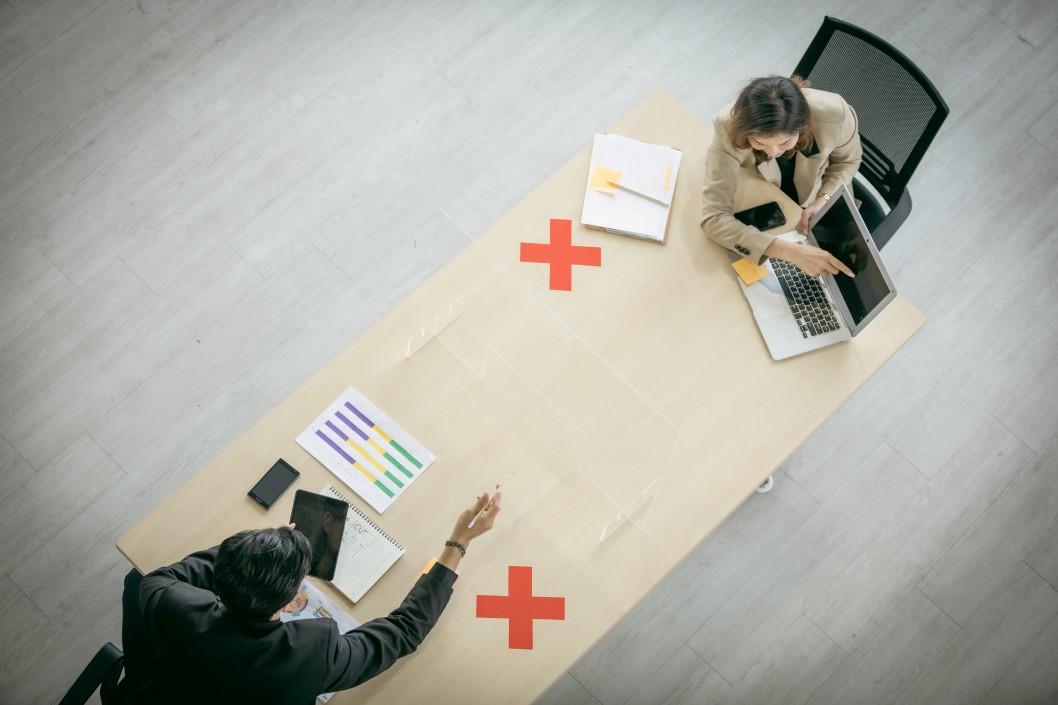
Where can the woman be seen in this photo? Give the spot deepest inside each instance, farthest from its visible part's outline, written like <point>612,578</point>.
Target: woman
<point>804,141</point>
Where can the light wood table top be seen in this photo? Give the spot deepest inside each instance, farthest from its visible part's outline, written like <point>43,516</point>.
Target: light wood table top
<point>658,328</point>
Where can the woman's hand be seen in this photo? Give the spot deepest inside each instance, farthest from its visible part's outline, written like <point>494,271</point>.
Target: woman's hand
<point>809,213</point>
<point>811,260</point>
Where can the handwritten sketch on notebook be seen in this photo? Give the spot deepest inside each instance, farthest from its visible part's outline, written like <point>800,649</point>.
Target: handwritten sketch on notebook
<point>630,186</point>
<point>367,552</point>
<point>365,449</point>
<point>310,603</point>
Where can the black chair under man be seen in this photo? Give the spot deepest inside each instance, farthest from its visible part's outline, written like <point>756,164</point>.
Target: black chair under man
<point>104,672</point>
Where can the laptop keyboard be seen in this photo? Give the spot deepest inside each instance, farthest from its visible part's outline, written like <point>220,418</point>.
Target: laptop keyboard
<point>805,295</point>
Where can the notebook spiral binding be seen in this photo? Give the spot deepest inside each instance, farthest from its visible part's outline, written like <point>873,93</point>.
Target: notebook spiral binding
<point>376,527</point>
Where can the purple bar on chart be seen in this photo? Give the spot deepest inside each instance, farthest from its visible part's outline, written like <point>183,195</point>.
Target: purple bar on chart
<point>350,424</point>
<point>363,418</point>
<point>335,447</point>
<point>339,432</point>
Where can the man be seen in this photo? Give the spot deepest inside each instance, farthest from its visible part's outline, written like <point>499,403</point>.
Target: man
<point>213,621</point>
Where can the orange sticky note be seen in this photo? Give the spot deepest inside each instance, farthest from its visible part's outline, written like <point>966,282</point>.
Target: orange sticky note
<point>601,177</point>
<point>748,271</point>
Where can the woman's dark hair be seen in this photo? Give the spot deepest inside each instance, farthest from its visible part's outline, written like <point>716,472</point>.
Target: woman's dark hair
<point>260,570</point>
<point>773,105</point>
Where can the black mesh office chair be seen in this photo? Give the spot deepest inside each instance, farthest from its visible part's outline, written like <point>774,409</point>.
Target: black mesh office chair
<point>104,672</point>
<point>899,110</point>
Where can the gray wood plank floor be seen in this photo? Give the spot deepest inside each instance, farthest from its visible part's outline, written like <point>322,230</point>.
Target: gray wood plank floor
<point>193,193</point>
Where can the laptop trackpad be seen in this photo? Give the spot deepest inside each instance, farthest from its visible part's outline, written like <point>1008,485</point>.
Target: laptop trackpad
<point>767,298</point>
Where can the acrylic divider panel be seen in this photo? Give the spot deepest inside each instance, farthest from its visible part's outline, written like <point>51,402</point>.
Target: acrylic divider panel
<point>627,442</point>
<point>366,449</point>
<point>480,427</point>
<point>508,425</point>
<point>435,242</point>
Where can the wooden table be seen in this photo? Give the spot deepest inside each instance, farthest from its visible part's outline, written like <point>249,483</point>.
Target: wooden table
<point>653,357</point>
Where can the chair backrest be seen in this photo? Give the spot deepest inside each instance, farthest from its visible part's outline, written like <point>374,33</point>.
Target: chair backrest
<point>899,109</point>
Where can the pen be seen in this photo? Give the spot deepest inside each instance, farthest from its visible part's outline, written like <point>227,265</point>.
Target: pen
<point>655,199</point>
<point>498,487</point>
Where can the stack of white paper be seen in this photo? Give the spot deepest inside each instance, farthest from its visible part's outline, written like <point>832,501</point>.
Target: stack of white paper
<point>648,169</point>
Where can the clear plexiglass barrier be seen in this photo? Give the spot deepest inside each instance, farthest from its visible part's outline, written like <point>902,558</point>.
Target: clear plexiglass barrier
<point>570,419</point>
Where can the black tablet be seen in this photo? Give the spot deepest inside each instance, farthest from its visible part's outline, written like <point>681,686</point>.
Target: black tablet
<point>322,521</point>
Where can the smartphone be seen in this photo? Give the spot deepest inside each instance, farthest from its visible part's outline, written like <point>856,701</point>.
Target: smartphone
<point>762,217</point>
<point>322,520</point>
<point>273,484</point>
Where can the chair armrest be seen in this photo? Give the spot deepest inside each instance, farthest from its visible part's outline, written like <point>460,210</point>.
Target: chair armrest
<point>893,220</point>
<point>101,672</point>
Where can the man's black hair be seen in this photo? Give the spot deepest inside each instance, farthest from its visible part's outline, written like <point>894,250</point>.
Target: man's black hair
<point>259,571</point>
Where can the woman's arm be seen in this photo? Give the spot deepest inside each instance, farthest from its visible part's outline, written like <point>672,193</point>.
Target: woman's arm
<point>844,160</point>
<point>718,201</point>
<point>811,260</point>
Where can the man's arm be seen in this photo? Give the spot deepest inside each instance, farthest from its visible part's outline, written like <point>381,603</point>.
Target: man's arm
<point>373,647</point>
<point>196,570</point>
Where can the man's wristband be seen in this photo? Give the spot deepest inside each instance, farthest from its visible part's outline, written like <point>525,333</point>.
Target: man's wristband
<point>458,546</point>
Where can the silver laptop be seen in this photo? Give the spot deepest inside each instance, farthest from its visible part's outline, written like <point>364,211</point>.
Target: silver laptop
<point>797,313</point>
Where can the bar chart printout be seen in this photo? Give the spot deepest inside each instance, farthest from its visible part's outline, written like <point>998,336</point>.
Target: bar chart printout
<point>365,449</point>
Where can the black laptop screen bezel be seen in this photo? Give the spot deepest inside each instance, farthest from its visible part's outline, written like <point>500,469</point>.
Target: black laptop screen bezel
<point>829,280</point>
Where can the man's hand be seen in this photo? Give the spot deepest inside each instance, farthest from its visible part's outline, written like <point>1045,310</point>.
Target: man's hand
<point>488,506</point>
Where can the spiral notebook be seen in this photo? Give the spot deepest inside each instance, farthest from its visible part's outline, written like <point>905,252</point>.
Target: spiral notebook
<point>367,552</point>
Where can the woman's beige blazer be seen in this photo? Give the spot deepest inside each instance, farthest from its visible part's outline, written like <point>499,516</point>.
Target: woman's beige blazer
<point>835,128</point>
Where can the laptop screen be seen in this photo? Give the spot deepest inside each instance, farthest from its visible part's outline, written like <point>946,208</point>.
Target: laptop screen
<point>839,231</point>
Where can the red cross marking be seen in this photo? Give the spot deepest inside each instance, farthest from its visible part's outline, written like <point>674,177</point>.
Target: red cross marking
<point>520,606</point>
<point>561,254</point>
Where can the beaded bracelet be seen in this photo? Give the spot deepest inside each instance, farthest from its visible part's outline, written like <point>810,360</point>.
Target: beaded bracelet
<point>458,546</point>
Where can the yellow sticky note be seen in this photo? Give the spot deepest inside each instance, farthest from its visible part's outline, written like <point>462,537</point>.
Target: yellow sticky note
<point>748,271</point>
<point>601,177</point>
